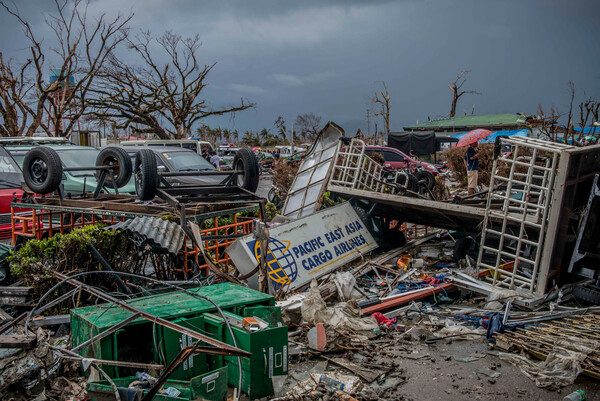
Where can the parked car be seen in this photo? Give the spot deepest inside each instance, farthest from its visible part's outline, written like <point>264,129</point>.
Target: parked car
<point>72,156</point>
<point>173,159</point>
<point>395,160</point>
<point>11,178</point>
<point>227,153</point>
<point>196,145</point>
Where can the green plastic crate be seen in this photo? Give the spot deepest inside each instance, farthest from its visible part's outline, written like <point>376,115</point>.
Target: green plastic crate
<point>138,340</point>
<point>211,386</point>
<point>269,349</point>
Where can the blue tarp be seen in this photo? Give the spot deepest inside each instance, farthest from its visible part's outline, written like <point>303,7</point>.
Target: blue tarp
<point>588,130</point>
<point>494,134</point>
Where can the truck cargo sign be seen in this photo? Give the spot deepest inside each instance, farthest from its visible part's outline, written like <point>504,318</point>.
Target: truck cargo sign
<point>306,248</point>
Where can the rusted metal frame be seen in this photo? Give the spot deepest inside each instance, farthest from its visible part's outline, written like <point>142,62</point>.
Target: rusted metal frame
<point>105,333</point>
<point>221,346</point>
<point>197,239</point>
<point>217,189</point>
<point>244,225</point>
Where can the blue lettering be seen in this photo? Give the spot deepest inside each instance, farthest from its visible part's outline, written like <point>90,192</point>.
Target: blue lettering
<point>295,250</point>
<point>320,241</point>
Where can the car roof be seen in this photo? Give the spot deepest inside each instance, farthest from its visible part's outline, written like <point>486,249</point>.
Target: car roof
<point>156,149</point>
<point>52,146</point>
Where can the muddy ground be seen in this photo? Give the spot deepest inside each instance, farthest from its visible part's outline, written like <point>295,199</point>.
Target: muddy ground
<point>439,376</point>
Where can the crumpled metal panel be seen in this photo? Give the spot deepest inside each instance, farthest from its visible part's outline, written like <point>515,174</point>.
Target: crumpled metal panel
<point>162,236</point>
<point>304,196</point>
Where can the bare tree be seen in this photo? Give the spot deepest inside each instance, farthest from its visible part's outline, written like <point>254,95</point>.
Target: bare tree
<point>547,123</point>
<point>380,103</point>
<point>81,47</point>
<point>571,90</point>
<point>145,94</point>
<point>455,87</point>
<point>588,108</point>
<point>14,90</point>
<point>308,125</point>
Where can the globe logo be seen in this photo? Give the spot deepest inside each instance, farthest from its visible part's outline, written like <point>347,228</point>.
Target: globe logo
<point>281,265</point>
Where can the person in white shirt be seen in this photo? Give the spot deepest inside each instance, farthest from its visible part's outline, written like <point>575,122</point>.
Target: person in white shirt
<point>215,160</point>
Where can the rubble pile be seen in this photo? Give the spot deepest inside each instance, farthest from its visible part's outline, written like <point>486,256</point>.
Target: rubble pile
<point>386,291</point>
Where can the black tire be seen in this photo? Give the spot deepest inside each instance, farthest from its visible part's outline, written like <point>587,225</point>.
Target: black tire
<point>463,247</point>
<point>146,177</point>
<point>119,160</point>
<point>413,183</point>
<point>245,160</point>
<point>365,218</point>
<point>42,170</point>
<point>427,177</point>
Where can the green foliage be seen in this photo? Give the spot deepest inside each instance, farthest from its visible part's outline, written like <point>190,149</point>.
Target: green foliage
<point>69,253</point>
<point>328,200</point>
<point>271,210</point>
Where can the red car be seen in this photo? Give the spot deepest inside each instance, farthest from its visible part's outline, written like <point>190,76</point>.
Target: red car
<point>11,178</point>
<point>394,159</point>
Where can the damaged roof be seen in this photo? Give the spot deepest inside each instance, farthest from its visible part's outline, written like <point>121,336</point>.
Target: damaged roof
<point>163,236</point>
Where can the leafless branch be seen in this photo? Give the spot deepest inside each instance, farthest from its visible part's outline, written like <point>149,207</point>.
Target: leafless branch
<point>455,87</point>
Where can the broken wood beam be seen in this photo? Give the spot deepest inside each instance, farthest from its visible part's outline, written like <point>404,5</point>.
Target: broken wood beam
<point>42,321</point>
<point>16,341</point>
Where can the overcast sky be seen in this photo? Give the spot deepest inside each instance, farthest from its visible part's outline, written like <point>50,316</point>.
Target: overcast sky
<point>326,57</point>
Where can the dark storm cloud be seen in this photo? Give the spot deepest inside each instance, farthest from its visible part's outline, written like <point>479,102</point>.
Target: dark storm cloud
<point>326,57</point>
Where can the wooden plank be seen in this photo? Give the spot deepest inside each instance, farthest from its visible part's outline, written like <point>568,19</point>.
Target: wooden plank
<point>42,321</point>
<point>15,341</point>
<point>369,375</point>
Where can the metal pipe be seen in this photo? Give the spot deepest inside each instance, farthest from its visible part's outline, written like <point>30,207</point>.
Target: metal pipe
<point>107,266</point>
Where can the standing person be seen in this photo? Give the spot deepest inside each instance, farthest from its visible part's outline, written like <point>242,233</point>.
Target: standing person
<point>472,166</point>
<point>216,161</point>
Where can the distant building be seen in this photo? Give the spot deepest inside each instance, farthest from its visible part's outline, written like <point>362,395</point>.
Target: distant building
<point>458,124</point>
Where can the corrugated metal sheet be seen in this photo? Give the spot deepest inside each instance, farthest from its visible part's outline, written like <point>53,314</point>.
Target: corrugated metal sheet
<point>162,235</point>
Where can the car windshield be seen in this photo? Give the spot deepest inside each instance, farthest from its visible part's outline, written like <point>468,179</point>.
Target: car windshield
<point>79,158</point>
<point>10,173</point>
<point>187,161</point>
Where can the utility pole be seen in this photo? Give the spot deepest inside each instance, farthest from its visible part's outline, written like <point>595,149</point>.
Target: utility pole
<point>368,123</point>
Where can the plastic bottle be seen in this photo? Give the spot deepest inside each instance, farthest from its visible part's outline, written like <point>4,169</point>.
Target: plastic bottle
<point>578,395</point>
<point>145,376</point>
<point>332,383</point>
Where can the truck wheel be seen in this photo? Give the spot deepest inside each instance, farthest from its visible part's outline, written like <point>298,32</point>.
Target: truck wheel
<point>146,178</point>
<point>413,183</point>
<point>427,177</point>
<point>119,160</point>
<point>42,170</point>
<point>246,164</point>
<point>465,246</point>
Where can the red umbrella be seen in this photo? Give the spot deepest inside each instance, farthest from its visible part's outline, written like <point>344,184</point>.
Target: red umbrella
<point>473,136</point>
